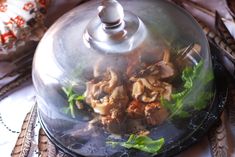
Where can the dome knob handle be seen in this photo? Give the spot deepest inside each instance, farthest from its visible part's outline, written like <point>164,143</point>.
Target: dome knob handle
<point>111,14</point>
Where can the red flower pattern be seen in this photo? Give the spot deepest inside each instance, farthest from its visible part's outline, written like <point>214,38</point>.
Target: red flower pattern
<point>28,6</point>
<point>7,36</point>
<point>19,23</point>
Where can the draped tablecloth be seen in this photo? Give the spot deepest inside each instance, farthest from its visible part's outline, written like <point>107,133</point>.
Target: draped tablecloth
<point>14,108</point>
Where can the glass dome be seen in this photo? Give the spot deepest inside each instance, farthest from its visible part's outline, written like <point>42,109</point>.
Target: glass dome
<point>133,77</point>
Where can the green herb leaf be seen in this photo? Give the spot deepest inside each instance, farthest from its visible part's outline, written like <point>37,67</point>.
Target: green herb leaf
<point>72,98</point>
<point>200,102</point>
<point>143,143</point>
<point>189,76</point>
<point>67,91</point>
<point>71,108</point>
<point>80,98</point>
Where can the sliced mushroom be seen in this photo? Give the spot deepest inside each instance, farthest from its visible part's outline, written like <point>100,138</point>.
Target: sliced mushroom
<point>102,106</point>
<point>155,114</point>
<point>167,92</point>
<point>111,81</point>
<point>166,56</point>
<point>135,110</point>
<point>149,97</point>
<point>114,121</point>
<point>112,125</point>
<point>166,69</point>
<point>137,89</point>
<point>117,100</point>
<point>150,70</point>
<point>162,69</point>
<point>106,94</point>
<point>104,87</point>
<point>79,105</point>
<point>119,95</point>
<point>149,89</point>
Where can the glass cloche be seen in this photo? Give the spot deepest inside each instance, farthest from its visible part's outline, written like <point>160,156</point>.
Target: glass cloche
<point>131,78</point>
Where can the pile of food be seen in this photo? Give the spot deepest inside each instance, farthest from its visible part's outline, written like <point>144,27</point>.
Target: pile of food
<point>133,101</point>
<point>136,96</point>
<point>130,95</point>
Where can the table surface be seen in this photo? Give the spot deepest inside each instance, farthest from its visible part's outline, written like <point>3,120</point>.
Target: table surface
<point>14,108</point>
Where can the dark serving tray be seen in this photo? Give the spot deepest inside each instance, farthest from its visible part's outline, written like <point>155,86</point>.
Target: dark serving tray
<point>210,117</point>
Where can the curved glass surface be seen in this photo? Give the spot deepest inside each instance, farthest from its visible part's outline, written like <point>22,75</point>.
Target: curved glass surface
<point>97,103</point>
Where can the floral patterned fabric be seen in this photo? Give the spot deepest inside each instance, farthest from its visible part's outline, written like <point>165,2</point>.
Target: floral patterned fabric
<point>18,19</point>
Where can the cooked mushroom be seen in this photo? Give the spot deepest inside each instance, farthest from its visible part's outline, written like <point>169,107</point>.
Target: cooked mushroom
<point>106,94</point>
<point>79,105</point>
<point>149,89</point>
<point>155,114</point>
<point>137,89</point>
<point>118,99</point>
<point>150,70</point>
<point>162,69</point>
<point>135,110</point>
<point>98,90</point>
<point>113,125</point>
<point>165,69</point>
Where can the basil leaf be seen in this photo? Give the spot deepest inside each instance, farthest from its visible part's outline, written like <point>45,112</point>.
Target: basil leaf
<point>143,143</point>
